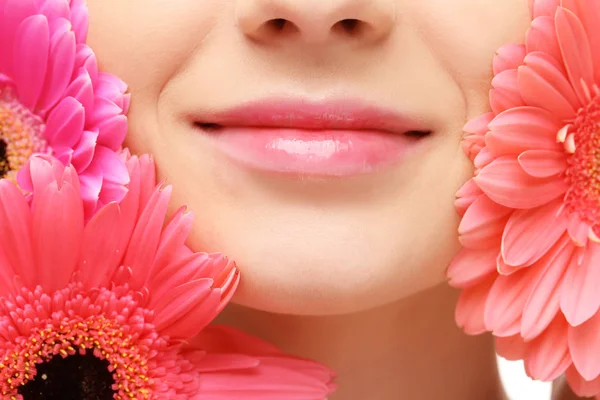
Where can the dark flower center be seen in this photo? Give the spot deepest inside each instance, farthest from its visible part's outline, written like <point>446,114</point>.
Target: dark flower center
<point>76,377</point>
<point>4,165</point>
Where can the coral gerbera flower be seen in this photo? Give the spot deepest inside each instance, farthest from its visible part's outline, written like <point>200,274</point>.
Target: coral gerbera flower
<point>53,99</point>
<point>530,266</point>
<point>104,309</point>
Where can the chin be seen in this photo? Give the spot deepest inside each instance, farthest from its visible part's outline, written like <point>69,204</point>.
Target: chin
<point>309,280</point>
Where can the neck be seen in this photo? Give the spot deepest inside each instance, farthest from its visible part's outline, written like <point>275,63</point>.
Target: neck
<point>408,350</point>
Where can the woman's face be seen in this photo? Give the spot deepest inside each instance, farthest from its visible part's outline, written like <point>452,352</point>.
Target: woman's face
<point>282,124</point>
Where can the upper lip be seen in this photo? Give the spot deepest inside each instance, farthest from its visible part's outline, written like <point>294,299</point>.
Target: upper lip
<point>343,114</point>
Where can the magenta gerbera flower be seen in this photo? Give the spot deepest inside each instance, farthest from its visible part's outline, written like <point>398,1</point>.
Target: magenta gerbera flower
<point>53,99</point>
<point>530,267</point>
<point>110,308</point>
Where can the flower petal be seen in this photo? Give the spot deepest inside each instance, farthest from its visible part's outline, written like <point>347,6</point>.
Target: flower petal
<point>584,343</point>
<point>505,94</point>
<point>576,51</point>
<point>505,182</point>
<point>579,299</point>
<point>65,123</point>
<point>15,231</point>
<point>548,355</point>
<point>508,57</point>
<point>524,128</point>
<point>32,44</point>
<point>541,37</point>
<point>580,386</point>
<point>543,163</point>
<point>470,307</point>
<point>541,8</point>
<point>471,267</point>
<point>542,84</point>
<point>99,248</point>
<point>544,302</point>
<point>530,234</point>
<point>483,223</point>
<point>57,231</point>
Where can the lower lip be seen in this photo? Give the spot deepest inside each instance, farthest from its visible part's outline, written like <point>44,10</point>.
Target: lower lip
<point>312,152</point>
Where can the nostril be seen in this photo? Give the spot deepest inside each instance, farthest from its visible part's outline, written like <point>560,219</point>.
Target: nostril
<point>277,24</point>
<point>350,26</point>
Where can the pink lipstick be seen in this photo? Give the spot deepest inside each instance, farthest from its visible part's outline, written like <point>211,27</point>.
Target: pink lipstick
<point>334,138</point>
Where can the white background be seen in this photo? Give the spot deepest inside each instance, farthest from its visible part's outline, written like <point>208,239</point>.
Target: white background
<point>518,385</point>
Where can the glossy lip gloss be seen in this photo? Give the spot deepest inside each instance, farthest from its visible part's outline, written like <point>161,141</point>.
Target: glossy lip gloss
<point>334,138</point>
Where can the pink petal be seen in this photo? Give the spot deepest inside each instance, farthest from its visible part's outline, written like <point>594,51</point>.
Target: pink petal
<point>580,300</point>
<point>12,14</point>
<point>99,256</point>
<point>508,57</point>
<point>53,9</point>
<point>543,163</point>
<point>57,231</point>
<point>505,182</point>
<point>530,234</point>
<point>484,158</point>
<point>584,342</point>
<point>15,231</point>
<point>79,18</point>
<point>542,84</point>
<point>474,138</point>
<point>82,89</point>
<point>524,128</point>
<point>86,58</point>
<point>176,315</point>
<point>544,302</point>
<point>576,51</point>
<point>580,386</point>
<point>548,355</point>
<point>483,223</point>
<point>113,167</point>
<point>146,236</point>
<point>103,109</point>
<point>112,132</point>
<point>60,67</point>
<point>173,238</point>
<point>470,307</point>
<point>471,267</point>
<point>32,44</point>
<point>541,37</point>
<point>111,192</point>
<point>65,123</point>
<point>84,150</point>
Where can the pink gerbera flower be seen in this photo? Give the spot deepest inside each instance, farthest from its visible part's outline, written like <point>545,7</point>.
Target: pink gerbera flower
<point>109,308</point>
<point>530,267</point>
<point>53,99</point>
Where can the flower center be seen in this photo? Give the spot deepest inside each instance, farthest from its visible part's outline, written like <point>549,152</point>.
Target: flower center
<point>21,133</point>
<point>583,172</point>
<point>37,361</point>
<point>74,377</point>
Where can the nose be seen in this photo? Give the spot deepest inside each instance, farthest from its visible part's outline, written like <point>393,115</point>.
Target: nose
<point>316,21</point>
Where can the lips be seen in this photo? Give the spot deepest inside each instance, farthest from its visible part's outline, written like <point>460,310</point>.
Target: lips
<point>334,138</point>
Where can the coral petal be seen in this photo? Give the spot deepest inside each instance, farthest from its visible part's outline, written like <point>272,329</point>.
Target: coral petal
<point>544,302</point>
<point>543,163</point>
<point>548,355</point>
<point>505,182</point>
<point>470,307</point>
<point>471,267</point>
<point>580,386</point>
<point>519,247</point>
<point>580,300</point>
<point>584,343</point>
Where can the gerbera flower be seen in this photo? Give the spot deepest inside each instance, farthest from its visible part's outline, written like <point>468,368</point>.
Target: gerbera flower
<point>53,99</point>
<point>105,309</point>
<point>530,266</point>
